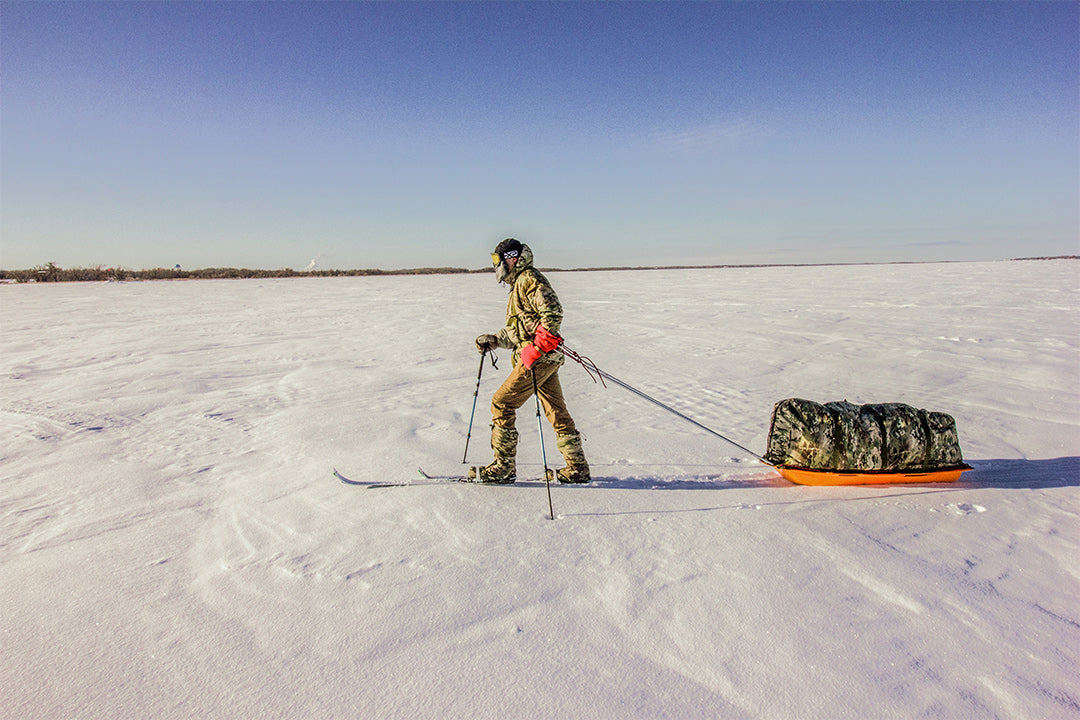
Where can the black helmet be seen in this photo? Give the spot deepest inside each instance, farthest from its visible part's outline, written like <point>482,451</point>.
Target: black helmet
<point>508,248</point>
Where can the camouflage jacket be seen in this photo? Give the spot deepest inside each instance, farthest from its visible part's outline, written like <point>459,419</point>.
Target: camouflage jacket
<point>532,302</point>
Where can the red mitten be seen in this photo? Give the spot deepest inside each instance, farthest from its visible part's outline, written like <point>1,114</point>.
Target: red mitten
<point>529,355</point>
<point>545,340</point>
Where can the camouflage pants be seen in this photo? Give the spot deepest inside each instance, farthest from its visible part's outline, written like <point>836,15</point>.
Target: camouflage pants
<point>518,388</point>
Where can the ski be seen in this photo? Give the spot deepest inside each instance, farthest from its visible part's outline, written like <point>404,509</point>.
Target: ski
<point>453,478</point>
<point>410,483</point>
<point>448,478</point>
<point>346,480</point>
<point>426,479</point>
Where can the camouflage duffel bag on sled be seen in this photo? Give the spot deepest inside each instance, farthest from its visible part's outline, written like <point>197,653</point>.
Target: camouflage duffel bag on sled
<point>844,436</point>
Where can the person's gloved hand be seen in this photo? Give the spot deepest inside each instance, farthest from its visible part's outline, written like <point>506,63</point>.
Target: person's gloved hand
<point>529,355</point>
<point>486,343</point>
<point>543,342</point>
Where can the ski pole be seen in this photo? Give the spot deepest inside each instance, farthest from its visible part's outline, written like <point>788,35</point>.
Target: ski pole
<point>543,453</point>
<point>475,396</point>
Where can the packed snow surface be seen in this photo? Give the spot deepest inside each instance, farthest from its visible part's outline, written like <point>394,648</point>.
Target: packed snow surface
<point>174,543</point>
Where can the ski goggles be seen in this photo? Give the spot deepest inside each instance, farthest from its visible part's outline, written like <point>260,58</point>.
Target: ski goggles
<point>496,258</point>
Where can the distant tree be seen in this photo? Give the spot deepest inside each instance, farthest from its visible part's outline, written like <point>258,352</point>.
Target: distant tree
<point>50,272</point>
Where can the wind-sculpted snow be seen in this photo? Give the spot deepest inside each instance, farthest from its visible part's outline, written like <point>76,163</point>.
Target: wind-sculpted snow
<point>173,543</point>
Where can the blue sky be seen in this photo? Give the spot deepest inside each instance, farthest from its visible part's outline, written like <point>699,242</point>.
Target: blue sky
<point>393,135</point>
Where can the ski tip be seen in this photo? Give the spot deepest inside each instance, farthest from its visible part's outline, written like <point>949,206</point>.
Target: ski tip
<point>346,480</point>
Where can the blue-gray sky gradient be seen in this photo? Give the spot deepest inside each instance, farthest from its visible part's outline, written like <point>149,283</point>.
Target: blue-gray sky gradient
<point>394,135</point>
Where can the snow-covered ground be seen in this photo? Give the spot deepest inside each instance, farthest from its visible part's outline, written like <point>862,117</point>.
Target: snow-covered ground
<point>174,545</point>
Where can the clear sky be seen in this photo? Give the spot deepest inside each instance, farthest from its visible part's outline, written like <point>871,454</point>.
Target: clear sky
<point>394,135</point>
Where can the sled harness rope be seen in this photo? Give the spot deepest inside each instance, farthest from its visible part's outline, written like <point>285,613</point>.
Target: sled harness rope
<point>595,373</point>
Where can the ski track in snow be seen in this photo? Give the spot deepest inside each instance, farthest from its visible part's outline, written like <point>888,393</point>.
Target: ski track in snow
<point>173,543</point>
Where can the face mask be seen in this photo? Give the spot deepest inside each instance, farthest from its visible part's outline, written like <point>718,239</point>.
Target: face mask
<point>502,270</point>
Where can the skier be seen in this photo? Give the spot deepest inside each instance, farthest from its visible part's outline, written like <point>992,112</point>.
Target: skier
<point>533,317</point>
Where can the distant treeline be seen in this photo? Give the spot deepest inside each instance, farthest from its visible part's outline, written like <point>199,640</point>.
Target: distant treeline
<point>1051,257</point>
<point>51,272</point>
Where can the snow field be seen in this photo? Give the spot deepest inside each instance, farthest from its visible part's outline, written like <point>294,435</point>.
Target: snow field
<point>173,543</point>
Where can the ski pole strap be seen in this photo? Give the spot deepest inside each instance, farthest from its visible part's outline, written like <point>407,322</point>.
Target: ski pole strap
<point>591,368</point>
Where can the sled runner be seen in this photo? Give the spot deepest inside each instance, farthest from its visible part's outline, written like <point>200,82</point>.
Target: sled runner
<point>803,476</point>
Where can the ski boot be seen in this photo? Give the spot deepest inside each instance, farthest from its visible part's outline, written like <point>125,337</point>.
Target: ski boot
<point>576,471</point>
<point>570,475</point>
<point>503,469</point>
<point>497,473</point>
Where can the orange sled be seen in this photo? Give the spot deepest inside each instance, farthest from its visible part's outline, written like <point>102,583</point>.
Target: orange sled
<point>802,476</point>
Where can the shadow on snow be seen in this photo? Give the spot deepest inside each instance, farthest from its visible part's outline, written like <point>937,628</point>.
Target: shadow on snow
<point>1030,474</point>
<point>1011,473</point>
<point>1001,473</point>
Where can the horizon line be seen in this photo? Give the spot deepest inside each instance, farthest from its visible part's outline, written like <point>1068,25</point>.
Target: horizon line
<point>52,272</point>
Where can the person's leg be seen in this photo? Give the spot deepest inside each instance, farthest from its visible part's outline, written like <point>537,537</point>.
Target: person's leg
<point>510,396</point>
<point>568,439</point>
<point>551,397</point>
